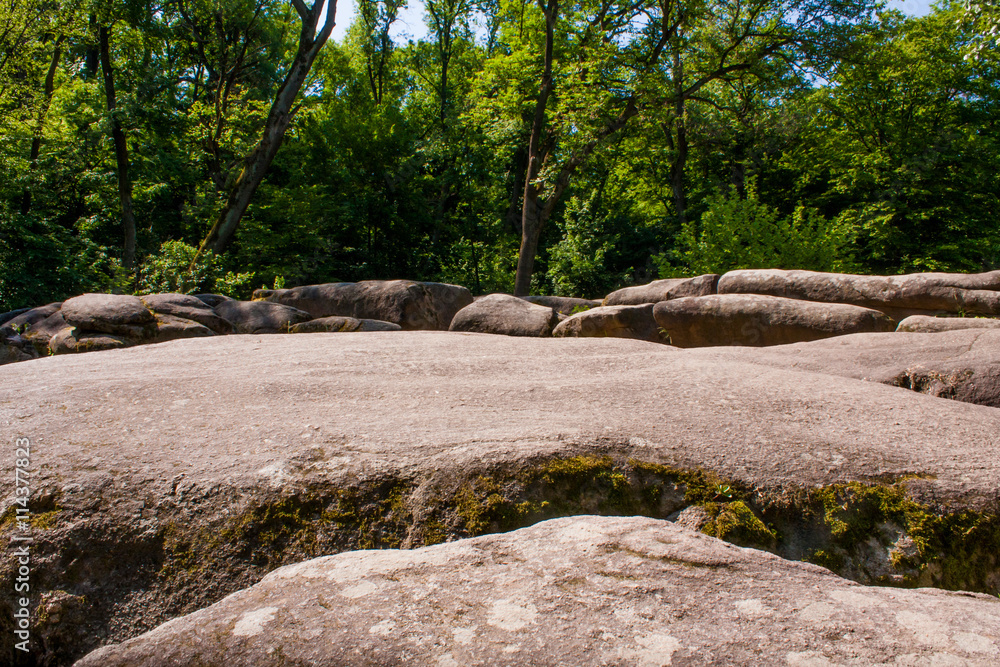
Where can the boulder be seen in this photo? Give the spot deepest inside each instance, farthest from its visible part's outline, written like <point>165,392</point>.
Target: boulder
<point>165,477</point>
<point>41,332</point>
<point>11,314</point>
<point>117,314</point>
<point>564,305</point>
<point>170,327</point>
<point>260,317</point>
<point>29,317</point>
<point>896,296</point>
<point>615,321</point>
<point>927,324</point>
<point>212,300</point>
<point>448,300</point>
<point>189,308</point>
<point>585,590</point>
<point>343,324</point>
<point>73,341</point>
<point>755,320</point>
<point>411,305</point>
<point>963,365</point>
<point>15,349</point>
<point>507,315</point>
<point>663,290</point>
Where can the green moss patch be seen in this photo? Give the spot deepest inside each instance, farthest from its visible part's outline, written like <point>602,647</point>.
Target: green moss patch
<point>871,532</point>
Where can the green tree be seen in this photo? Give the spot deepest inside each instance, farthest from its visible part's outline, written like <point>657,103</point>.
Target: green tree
<point>741,232</point>
<point>900,149</point>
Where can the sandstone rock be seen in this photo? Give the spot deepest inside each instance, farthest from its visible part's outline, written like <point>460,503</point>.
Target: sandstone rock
<point>663,290</point>
<point>896,296</point>
<point>963,365</point>
<point>169,327</point>
<point>117,314</point>
<point>507,315</point>
<point>409,304</point>
<point>577,591</point>
<point>212,300</point>
<point>73,341</point>
<point>253,452</point>
<point>29,317</point>
<point>448,300</point>
<point>189,308</point>
<point>259,317</point>
<point>564,305</point>
<point>11,314</point>
<point>343,324</point>
<point>615,321</point>
<point>15,349</point>
<point>40,333</point>
<point>755,320</point>
<point>927,324</point>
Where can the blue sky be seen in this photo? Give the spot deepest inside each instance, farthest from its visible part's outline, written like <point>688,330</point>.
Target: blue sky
<point>411,20</point>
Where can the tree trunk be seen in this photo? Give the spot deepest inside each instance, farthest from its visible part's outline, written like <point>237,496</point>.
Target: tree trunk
<point>681,145</point>
<point>121,151</point>
<point>531,218</point>
<point>36,141</point>
<point>280,116</point>
<point>519,165</point>
<point>531,226</point>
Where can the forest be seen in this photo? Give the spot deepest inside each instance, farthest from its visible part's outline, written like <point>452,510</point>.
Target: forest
<point>564,147</point>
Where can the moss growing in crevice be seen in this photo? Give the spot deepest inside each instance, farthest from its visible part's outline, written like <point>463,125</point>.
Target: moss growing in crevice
<point>880,533</point>
<point>735,522</point>
<point>870,532</point>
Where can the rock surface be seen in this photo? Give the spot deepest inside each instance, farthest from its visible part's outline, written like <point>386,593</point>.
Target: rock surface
<point>14,349</point>
<point>411,305</point>
<point>11,314</point>
<point>896,296</point>
<point>756,321</point>
<point>41,332</point>
<point>343,324</point>
<point>168,476</point>
<point>169,327</point>
<point>612,321</point>
<point>189,308</point>
<point>116,314</point>
<point>73,341</point>
<point>963,365</point>
<point>564,305</point>
<point>212,300</point>
<point>663,290</point>
<point>252,452</point>
<point>507,315</point>
<point>578,591</point>
<point>29,317</point>
<point>259,317</point>
<point>927,324</point>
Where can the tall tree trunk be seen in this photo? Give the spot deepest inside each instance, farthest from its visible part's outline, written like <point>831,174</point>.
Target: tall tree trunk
<point>280,116</point>
<point>121,151</point>
<point>519,165</point>
<point>531,210</point>
<point>36,140</point>
<point>681,144</point>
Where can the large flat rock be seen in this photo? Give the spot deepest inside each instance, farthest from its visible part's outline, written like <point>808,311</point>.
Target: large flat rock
<point>579,591</point>
<point>962,364</point>
<point>168,476</point>
<point>896,296</point>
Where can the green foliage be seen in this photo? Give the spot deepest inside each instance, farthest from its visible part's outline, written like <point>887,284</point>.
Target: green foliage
<point>745,233</point>
<point>170,270</point>
<point>836,142</point>
<point>577,263</point>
